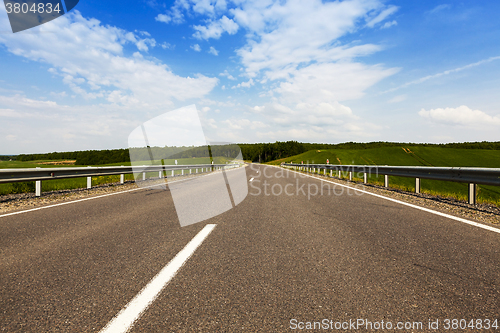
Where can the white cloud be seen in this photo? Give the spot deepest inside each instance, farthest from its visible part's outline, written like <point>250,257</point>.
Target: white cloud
<point>59,94</point>
<point>163,18</point>
<point>296,32</point>
<point>203,7</point>
<point>213,51</point>
<point>196,47</point>
<point>382,16</point>
<point>461,115</point>
<point>166,46</point>
<point>439,8</point>
<point>216,28</point>
<point>296,44</point>
<point>309,122</point>
<point>303,114</point>
<point>142,44</point>
<point>211,122</point>
<point>226,74</point>
<point>451,71</point>
<point>246,84</point>
<point>331,82</point>
<point>90,59</point>
<point>397,99</point>
<point>174,15</point>
<point>389,24</point>
<point>244,124</point>
<point>10,113</point>
<point>41,126</point>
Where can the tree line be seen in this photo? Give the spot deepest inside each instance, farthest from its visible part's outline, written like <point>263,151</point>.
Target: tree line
<point>255,152</point>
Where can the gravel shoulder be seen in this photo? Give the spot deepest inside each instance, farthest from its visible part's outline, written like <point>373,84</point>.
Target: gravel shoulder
<point>22,201</point>
<point>483,213</point>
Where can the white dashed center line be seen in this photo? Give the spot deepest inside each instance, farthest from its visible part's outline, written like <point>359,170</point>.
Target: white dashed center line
<point>125,319</point>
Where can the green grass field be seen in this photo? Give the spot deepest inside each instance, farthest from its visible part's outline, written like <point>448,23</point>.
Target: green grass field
<point>413,155</point>
<point>73,183</point>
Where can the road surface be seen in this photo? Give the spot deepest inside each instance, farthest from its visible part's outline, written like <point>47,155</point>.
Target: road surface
<point>276,262</point>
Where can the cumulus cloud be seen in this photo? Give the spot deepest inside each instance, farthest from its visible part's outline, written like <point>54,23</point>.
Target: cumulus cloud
<point>167,46</point>
<point>246,84</point>
<point>226,74</point>
<point>461,115</point>
<point>174,15</point>
<point>241,124</point>
<point>301,114</point>
<point>213,51</point>
<point>331,82</point>
<point>38,125</point>
<point>295,42</point>
<point>163,18</point>
<point>142,44</point>
<point>389,24</point>
<point>215,29</point>
<point>196,47</point>
<point>286,34</point>
<point>90,59</point>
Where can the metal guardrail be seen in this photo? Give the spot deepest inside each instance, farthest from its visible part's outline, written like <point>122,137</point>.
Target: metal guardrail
<point>472,176</point>
<point>40,174</point>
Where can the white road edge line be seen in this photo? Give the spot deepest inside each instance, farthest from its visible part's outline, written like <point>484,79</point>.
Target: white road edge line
<point>97,197</point>
<point>479,225</point>
<point>125,319</point>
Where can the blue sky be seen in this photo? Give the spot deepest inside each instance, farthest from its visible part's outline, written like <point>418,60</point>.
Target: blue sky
<point>257,71</point>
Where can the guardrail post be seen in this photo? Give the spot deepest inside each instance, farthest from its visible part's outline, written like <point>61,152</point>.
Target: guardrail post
<point>89,181</point>
<point>172,173</point>
<point>182,172</point>
<point>189,171</point>
<point>472,193</point>
<point>365,178</point>
<point>331,173</point>
<point>350,175</point>
<point>122,178</point>
<point>417,185</point>
<point>386,180</point>
<point>38,187</point>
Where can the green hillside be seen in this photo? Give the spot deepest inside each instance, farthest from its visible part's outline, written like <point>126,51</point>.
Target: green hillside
<point>413,155</point>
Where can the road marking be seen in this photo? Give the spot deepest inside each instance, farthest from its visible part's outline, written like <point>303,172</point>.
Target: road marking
<point>479,225</point>
<point>125,319</point>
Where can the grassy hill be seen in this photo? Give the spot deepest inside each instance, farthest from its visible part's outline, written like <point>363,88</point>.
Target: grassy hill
<point>413,155</point>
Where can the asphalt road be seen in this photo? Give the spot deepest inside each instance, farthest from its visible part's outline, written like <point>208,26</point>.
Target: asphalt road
<point>272,263</point>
